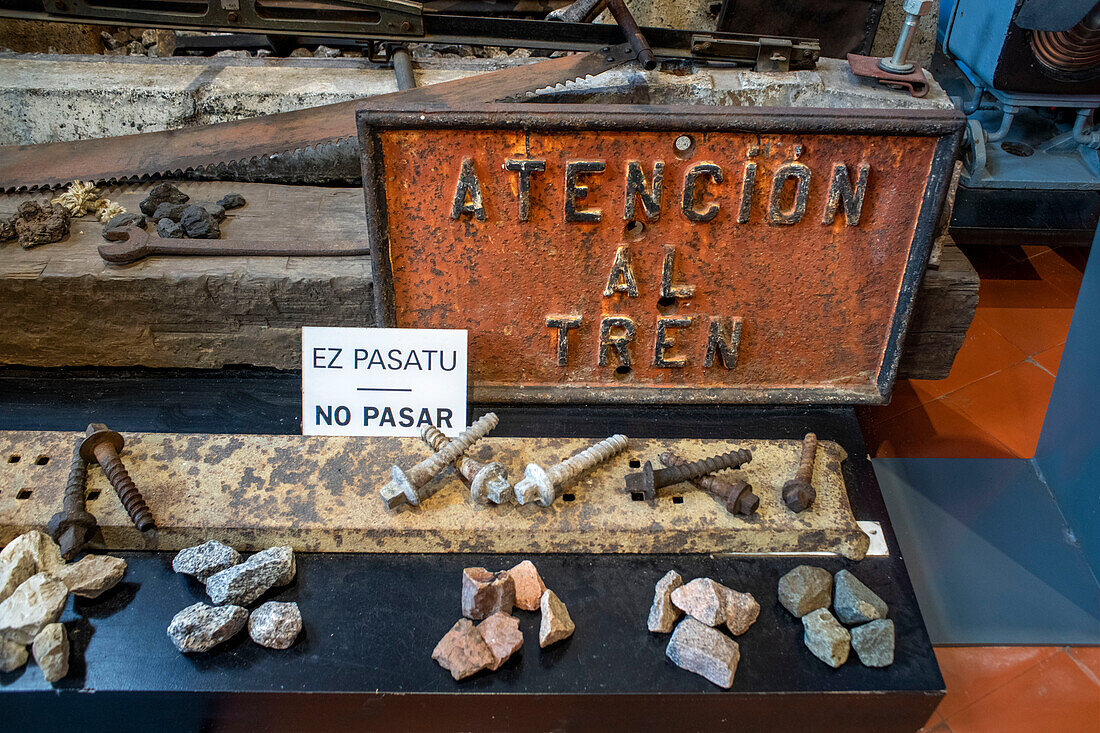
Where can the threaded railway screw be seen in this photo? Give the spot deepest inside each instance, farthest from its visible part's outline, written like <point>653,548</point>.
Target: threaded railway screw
<point>102,446</point>
<point>488,481</point>
<point>544,484</point>
<point>737,495</point>
<point>647,481</point>
<point>408,487</point>
<point>73,525</point>
<point>798,492</point>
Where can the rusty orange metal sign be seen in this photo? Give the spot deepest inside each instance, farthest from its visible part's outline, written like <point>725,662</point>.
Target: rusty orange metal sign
<point>660,254</point>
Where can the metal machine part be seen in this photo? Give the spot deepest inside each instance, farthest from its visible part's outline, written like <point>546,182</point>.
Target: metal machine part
<point>897,70</point>
<point>102,445</point>
<point>737,495</point>
<point>488,481</point>
<point>799,492</point>
<point>844,26</point>
<point>899,63</point>
<point>647,481</point>
<point>544,485</point>
<point>73,525</point>
<point>136,244</point>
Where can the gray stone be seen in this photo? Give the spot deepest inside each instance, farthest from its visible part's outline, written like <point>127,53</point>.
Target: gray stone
<point>275,625</point>
<point>324,52</point>
<point>806,588</point>
<point>198,223</point>
<point>703,599</point>
<point>123,220</point>
<point>664,614</point>
<point>37,602</point>
<point>200,627</point>
<point>204,560</point>
<point>159,194</point>
<point>12,655</point>
<point>503,637</point>
<point>485,593</point>
<point>707,652</point>
<point>215,210</point>
<point>854,602</point>
<point>7,230</point>
<point>742,611</point>
<point>244,583</point>
<point>462,651</point>
<point>874,643</point>
<point>231,201</point>
<point>169,229</point>
<point>51,652</point>
<point>556,623</point>
<point>92,575</point>
<point>825,637</point>
<point>168,210</point>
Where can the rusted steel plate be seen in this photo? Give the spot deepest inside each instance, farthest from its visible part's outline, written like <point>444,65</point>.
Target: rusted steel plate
<point>591,258</point>
<point>321,494</point>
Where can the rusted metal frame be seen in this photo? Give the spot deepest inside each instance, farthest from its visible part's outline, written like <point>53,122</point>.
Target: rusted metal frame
<point>934,195</point>
<point>944,124</point>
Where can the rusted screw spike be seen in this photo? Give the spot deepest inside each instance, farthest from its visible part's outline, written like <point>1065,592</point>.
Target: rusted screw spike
<point>408,487</point>
<point>737,495</point>
<point>799,493</point>
<point>488,481</point>
<point>544,485</point>
<point>647,481</point>
<point>102,446</point>
<point>71,527</point>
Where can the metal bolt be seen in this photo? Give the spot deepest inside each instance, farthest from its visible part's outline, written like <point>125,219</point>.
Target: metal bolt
<point>407,487</point>
<point>799,493</point>
<point>682,143</point>
<point>897,64</point>
<point>488,481</point>
<point>102,446</point>
<point>73,525</point>
<point>647,481</point>
<point>544,484</point>
<point>737,495</point>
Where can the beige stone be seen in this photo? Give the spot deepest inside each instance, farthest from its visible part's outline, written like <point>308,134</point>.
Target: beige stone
<point>485,593</point>
<point>46,553</point>
<point>556,623</point>
<point>51,652</point>
<point>12,656</point>
<point>16,568</point>
<point>529,585</point>
<point>34,604</point>
<point>742,611</point>
<point>462,651</point>
<point>92,575</point>
<point>502,635</point>
<point>664,614</point>
<point>703,599</point>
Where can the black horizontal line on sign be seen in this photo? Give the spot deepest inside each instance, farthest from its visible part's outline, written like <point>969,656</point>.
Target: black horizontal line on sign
<point>384,389</point>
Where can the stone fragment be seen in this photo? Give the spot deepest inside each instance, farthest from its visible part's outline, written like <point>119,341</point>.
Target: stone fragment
<point>485,593</point>
<point>664,614</point>
<point>854,602</point>
<point>244,583</point>
<point>169,229</point>
<point>324,52</point>
<point>39,546</point>
<point>51,652</point>
<point>529,585</point>
<point>805,589</point>
<point>168,210</point>
<point>12,655</point>
<point>40,223</point>
<point>215,210</point>
<point>121,221</point>
<point>462,651</point>
<point>874,643</point>
<point>198,223</point>
<point>825,637</point>
<point>231,201</point>
<point>109,42</point>
<point>38,601</point>
<point>148,37</point>
<point>702,599</point>
<point>7,230</point>
<point>204,560</point>
<point>92,575</point>
<point>301,53</point>
<point>201,627</point>
<point>15,569</point>
<point>136,48</point>
<point>166,43</point>
<point>741,611</point>
<point>707,652</point>
<point>502,635</point>
<point>556,624</point>
<point>160,193</point>
<point>275,625</point>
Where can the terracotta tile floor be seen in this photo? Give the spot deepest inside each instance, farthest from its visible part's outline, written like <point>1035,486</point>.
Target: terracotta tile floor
<point>992,406</point>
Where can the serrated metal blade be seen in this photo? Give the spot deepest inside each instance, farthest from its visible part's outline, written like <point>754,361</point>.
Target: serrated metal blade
<point>154,154</point>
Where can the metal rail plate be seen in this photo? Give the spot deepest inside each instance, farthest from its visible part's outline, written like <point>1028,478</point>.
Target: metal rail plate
<point>658,254</point>
<point>321,494</point>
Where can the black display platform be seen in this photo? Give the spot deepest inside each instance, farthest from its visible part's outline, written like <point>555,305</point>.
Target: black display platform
<point>372,620</point>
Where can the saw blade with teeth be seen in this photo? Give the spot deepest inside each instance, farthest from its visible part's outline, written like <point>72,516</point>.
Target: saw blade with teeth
<point>224,146</point>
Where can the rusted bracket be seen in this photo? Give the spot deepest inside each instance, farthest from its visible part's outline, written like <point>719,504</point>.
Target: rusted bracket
<point>868,67</point>
<point>136,244</point>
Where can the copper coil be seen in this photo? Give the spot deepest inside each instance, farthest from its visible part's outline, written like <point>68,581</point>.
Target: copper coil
<point>1077,49</point>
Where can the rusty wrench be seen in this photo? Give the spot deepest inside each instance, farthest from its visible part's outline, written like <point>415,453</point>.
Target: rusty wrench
<point>133,243</point>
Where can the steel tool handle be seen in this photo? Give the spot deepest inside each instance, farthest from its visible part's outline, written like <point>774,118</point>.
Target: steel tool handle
<point>139,244</point>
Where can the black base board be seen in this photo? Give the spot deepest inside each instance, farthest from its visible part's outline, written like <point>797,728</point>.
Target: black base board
<point>371,621</point>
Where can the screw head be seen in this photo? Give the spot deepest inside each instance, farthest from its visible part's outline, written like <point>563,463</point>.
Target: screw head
<point>643,482</point>
<point>798,495</point>
<point>535,486</point>
<point>399,490</point>
<point>682,143</point>
<point>490,484</point>
<point>95,434</point>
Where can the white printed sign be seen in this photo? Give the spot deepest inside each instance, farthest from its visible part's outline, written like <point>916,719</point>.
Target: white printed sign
<point>383,381</point>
